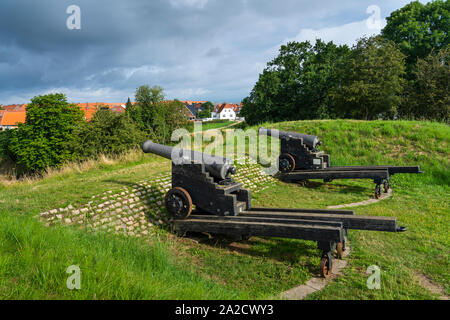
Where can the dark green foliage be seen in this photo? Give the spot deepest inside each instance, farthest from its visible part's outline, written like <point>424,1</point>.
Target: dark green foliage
<point>154,116</point>
<point>41,141</point>
<point>296,84</point>
<point>372,81</point>
<point>419,29</point>
<point>107,133</point>
<point>129,105</point>
<point>428,96</point>
<point>206,110</point>
<point>5,140</point>
<point>379,77</point>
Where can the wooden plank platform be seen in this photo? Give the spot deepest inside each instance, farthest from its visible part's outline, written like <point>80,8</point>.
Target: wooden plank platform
<point>372,223</point>
<point>324,174</point>
<point>391,169</point>
<point>319,211</point>
<point>268,229</point>
<point>268,219</point>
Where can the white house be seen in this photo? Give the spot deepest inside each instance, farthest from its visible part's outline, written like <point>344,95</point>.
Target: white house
<point>224,111</point>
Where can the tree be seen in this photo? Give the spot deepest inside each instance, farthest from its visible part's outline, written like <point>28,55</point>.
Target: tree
<point>206,110</point>
<point>129,105</point>
<point>419,29</point>
<point>372,80</point>
<point>107,133</point>
<point>146,95</point>
<point>296,84</point>
<point>145,113</point>
<point>42,141</point>
<point>428,96</point>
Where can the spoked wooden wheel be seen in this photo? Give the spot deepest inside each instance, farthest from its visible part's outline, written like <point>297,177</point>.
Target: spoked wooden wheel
<point>340,250</point>
<point>325,271</point>
<point>378,191</point>
<point>178,203</point>
<point>286,163</point>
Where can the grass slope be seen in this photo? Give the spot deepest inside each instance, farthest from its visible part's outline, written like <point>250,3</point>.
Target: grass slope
<point>34,258</point>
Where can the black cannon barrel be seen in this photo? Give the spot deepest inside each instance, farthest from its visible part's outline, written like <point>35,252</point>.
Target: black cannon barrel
<point>217,167</point>
<point>311,141</point>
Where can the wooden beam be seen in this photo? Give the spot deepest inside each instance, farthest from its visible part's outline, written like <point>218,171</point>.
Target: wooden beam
<point>281,230</point>
<point>349,221</point>
<point>321,211</point>
<point>335,224</point>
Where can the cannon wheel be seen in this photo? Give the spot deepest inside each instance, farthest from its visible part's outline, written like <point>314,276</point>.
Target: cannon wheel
<point>325,271</point>
<point>378,191</point>
<point>286,163</point>
<point>340,250</point>
<point>178,203</point>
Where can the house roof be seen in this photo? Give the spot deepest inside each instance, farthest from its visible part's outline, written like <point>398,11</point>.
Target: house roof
<point>13,118</point>
<point>118,108</point>
<point>15,107</point>
<point>219,108</point>
<point>193,102</point>
<point>191,110</point>
<point>90,109</point>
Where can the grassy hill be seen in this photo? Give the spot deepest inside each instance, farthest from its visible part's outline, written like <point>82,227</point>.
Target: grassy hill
<point>34,258</point>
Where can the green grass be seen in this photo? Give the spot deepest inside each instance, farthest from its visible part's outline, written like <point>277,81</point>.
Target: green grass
<point>216,124</point>
<point>34,258</point>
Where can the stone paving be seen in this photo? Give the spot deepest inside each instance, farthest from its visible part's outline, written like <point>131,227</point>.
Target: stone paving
<point>133,210</point>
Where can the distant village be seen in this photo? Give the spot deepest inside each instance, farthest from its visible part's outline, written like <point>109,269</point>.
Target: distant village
<point>12,115</point>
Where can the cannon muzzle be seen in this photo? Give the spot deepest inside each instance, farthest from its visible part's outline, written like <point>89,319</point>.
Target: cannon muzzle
<point>218,167</point>
<point>310,141</point>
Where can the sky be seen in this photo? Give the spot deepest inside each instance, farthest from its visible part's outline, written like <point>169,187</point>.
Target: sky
<point>195,49</point>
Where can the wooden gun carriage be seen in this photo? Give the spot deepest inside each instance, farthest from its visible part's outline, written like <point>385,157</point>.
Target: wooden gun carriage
<point>301,160</point>
<point>222,206</point>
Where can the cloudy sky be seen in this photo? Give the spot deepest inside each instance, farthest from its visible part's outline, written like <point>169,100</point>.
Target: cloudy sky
<point>195,49</point>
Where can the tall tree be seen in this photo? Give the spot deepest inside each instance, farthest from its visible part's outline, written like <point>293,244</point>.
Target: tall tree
<point>419,29</point>
<point>129,105</point>
<point>428,97</point>
<point>146,111</point>
<point>297,83</point>
<point>372,80</point>
<point>206,109</point>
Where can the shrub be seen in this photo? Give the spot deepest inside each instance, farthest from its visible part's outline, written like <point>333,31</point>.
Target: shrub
<point>42,141</point>
<point>5,140</point>
<point>107,133</point>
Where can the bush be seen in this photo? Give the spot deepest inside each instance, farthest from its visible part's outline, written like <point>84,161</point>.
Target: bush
<point>42,141</point>
<point>5,140</point>
<point>107,133</point>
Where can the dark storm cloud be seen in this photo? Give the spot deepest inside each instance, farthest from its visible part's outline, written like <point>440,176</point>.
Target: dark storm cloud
<point>205,49</point>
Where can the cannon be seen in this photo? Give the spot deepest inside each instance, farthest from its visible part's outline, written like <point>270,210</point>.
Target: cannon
<point>223,207</point>
<point>202,180</point>
<point>218,167</point>
<point>301,160</point>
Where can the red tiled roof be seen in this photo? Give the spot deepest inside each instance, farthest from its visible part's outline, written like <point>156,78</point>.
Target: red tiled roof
<point>220,107</point>
<point>13,118</point>
<point>15,107</point>
<point>90,109</point>
<point>118,109</point>
<point>193,102</point>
